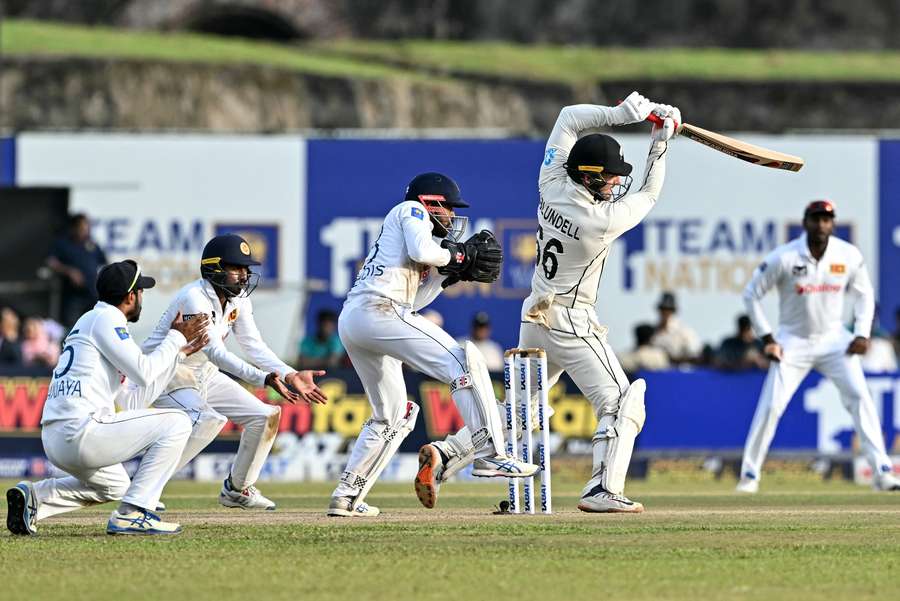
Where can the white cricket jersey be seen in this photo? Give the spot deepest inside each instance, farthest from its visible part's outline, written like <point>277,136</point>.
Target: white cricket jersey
<point>811,293</point>
<point>199,297</point>
<point>575,231</point>
<point>401,264</point>
<point>97,354</point>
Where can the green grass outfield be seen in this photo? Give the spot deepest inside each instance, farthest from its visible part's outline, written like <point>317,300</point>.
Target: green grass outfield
<point>806,540</point>
<point>431,60</point>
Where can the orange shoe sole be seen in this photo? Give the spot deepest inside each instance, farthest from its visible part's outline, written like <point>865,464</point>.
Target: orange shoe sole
<point>426,488</point>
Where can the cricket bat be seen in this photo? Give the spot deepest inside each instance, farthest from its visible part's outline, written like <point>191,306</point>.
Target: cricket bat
<point>732,147</point>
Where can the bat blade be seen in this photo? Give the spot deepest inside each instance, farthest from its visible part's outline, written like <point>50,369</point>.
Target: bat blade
<point>741,150</point>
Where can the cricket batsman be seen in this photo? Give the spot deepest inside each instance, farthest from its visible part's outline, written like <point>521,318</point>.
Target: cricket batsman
<point>583,184</point>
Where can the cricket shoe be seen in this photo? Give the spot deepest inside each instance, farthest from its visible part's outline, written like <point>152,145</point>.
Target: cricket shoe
<point>600,500</point>
<point>886,482</point>
<point>342,507</point>
<point>427,483</point>
<point>140,521</point>
<point>748,486</point>
<point>21,509</point>
<point>502,466</point>
<point>160,507</point>
<point>247,498</point>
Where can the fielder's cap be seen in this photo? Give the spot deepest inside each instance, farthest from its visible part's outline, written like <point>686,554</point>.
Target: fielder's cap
<point>667,301</point>
<point>817,207</point>
<point>598,153</point>
<point>435,187</point>
<point>481,319</point>
<point>118,279</point>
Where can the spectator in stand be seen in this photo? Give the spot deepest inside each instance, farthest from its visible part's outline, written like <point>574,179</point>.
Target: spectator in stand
<point>10,347</point>
<point>323,349</point>
<point>480,336</point>
<point>37,348</point>
<point>678,340</point>
<point>741,351</point>
<point>77,258</point>
<point>645,356</point>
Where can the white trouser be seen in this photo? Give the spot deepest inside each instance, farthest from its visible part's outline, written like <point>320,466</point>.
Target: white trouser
<point>827,355</point>
<point>92,450</point>
<point>379,337</point>
<point>225,398</point>
<point>589,361</point>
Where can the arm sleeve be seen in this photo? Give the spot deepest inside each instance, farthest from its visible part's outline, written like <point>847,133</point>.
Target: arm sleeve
<point>429,291</point>
<point>194,304</point>
<point>127,357</point>
<point>864,306</point>
<point>628,212</point>
<point>420,244</point>
<point>764,279</point>
<point>251,342</point>
<point>571,122</point>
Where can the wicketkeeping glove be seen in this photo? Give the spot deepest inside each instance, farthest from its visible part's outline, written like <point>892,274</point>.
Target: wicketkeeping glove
<point>478,259</point>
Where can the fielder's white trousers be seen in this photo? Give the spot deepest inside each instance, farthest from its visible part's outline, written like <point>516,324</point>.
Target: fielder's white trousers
<point>91,449</point>
<point>589,361</point>
<point>226,399</point>
<point>379,337</point>
<point>827,355</point>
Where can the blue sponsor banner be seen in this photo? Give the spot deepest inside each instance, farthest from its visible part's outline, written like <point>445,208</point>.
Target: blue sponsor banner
<point>264,240</point>
<point>710,410</point>
<point>7,161</point>
<point>352,184</point>
<point>889,231</point>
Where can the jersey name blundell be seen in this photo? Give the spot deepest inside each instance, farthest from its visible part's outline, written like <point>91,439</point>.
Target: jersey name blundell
<point>562,224</point>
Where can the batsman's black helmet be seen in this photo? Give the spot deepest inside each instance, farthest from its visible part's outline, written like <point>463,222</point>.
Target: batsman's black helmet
<point>597,154</point>
<point>435,187</point>
<point>227,249</point>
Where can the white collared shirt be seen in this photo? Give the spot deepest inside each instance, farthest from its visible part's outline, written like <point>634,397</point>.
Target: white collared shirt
<point>811,293</point>
<point>98,354</point>
<point>199,297</point>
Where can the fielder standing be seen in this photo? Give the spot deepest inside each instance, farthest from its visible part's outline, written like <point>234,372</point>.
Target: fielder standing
<point>583,185</point>
<point>82,433</point>
<point>381,329</point>
<point>208,395</point>
<point>813,274</point>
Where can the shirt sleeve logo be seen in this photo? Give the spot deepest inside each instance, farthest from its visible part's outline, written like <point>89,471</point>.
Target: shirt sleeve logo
<point>418,213</point>
<point>122,333</point>
<point>549,156</point>
<point>838,268</point>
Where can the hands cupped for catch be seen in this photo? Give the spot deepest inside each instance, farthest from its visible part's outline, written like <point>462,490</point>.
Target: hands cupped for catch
<point>193,330</point>
<point>298,386</point>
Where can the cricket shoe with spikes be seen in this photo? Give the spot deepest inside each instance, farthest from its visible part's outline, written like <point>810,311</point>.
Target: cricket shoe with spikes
<point>502,466</point>
<point>21,509</point>
<point>248,497</point>
<point>600,500</point>
<point>139,522</point>
<point>748,486</point>
<point>428,483</point>
<point>342,507</point>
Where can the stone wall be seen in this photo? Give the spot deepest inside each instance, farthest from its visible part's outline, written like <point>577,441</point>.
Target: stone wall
<point>41,94</point>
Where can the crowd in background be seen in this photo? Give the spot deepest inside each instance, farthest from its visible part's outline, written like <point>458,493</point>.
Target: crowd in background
<point>34,341</point>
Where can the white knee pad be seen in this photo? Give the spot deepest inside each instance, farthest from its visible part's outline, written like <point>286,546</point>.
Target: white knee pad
<point>613,442</point>
<point>486,414</point>
<point>379,441</point>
